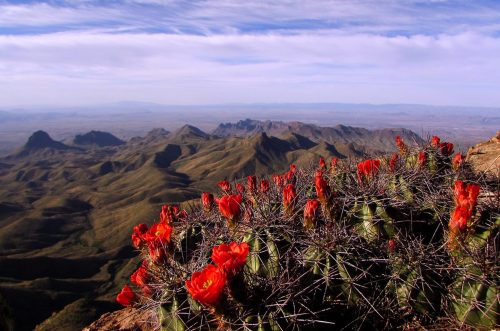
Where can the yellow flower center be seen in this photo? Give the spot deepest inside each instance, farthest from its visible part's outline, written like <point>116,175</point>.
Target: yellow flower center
<point>207,283</point>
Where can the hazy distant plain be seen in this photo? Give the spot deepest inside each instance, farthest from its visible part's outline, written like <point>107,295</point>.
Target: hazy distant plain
<point>464,126</point>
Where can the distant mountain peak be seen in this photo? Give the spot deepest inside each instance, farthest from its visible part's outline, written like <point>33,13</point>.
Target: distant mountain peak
<point>306,135</point>
<point>157,132</point>
<point>189,131</point>
<point>98,138</point>
<point>41,139</point>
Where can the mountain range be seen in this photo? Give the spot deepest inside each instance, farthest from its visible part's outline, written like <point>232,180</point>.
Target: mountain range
<point>66,209</point>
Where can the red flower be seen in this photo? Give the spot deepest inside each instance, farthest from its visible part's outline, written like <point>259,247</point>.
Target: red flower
<point>159,232</point>
<point>264,186</point>
<point>322,188</point>
<point>457,161</point>
<point>322,163</point>
<point>207,200</point>
<point>310,212</point>
<point>278,180</point>
<point>168,213</point>
<point>140,276</point>
<point>422,158</point>
<point>137,235</point>
<point>126,297</point>
<point>446,148</point>
<point>158,237</point>
<point>289,196</point>
<point>230,258</point>
<point>401,145</point>
<point>333,164</point>
<point>289,177</point>
<point>393,162</point>
<point>229,206</point>
<point>399,141</point>
<point>207,286</point>
<point>459,219</point>
<point>252,183</point>
<point>225,186</point>
<point>465,200</point>
<point>368,169</point>
<point>435,141</point>
<point>466,194</point>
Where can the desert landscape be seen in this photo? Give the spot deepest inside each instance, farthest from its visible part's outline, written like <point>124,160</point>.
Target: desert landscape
<point>249,165</point>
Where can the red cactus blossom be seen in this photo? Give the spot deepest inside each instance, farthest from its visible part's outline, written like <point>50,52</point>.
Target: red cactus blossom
<point>422,158</point>
<point>403,149</point>
<point>207,200</point>
<point>289,177</point>
<point>159,232</point>
<point>169,213</point>
<point>126,297</point>
<point>322,163</point>
<point>293,168</point>
<point>289,196</point>
<point>368,169</point>
<point>310,212</point>
<point>140,276</point>
<point>465,201</point>
<point>466,194</point>
<point>446,148</point>
<point>230,207</point>
<point>264,186</point>
<point>252,183</point>
<point>435,141</point>
<point>225,186</point>
<point>278,180</point>
<point>322,188</point>
<point>333,164</point>
<point>391,245</point>
<point>137,235</point>
<point>459,218</point>
<point>230,258</point>
<point>457,161</point>
<point>393,162</point>
<point>157,238</point>
<point>240,188</point>
<point>207,286</point>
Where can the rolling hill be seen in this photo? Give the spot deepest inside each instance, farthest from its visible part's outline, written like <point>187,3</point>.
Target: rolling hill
<point>66,212</point>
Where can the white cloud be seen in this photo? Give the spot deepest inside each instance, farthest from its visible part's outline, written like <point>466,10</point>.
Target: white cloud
<point>323,66</point>
<point>250,51</point>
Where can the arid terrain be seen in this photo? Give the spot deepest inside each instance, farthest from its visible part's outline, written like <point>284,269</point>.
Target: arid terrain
<point>465,126</point>
<point>66,208</point>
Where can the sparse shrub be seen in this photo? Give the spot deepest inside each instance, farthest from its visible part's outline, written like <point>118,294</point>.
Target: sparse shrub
<point>409,241</point>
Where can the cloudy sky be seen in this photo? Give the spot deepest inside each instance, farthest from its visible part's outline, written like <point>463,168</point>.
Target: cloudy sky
<point>74,52</point>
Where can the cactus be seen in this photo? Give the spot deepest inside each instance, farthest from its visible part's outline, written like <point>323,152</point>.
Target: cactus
<point>376,255</point>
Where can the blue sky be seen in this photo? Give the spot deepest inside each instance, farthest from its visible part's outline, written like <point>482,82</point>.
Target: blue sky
<point>74,52</point>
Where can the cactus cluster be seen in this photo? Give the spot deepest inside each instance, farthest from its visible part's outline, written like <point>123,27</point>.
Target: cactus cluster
<point>400,242</point>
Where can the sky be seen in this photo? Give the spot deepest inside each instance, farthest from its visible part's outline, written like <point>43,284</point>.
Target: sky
<point>85,52</point>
